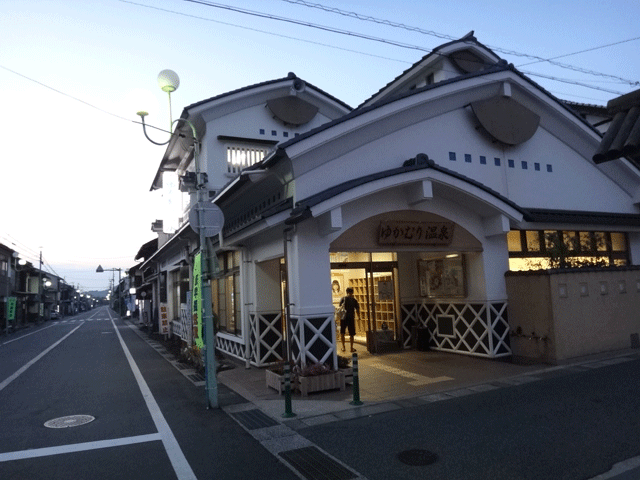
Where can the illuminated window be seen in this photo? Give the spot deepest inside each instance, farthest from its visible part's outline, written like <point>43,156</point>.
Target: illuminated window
<point>541,250</point>
<point>240,157</point>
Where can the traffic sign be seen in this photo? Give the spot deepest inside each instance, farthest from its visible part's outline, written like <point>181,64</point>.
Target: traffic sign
<point>207,216</point>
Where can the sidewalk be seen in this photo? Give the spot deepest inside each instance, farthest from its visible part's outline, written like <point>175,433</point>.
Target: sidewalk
<point>400,380</point>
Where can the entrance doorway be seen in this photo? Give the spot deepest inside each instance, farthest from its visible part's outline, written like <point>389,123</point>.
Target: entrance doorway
<point>373,277</point>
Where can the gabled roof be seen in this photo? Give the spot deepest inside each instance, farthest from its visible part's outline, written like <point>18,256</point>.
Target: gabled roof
<point>290,76</point>
<point>468,39</point>
<point>176,147</point>
<point>623,136</point>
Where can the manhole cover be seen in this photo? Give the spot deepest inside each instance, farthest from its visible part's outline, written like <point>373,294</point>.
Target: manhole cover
<point>417,457</point>
<point>70,421</point>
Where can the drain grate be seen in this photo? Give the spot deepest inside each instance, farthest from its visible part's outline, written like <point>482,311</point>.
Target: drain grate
<point>70,421</point>
<point>315,465</point>
<point>417,458</point>
<point>196,377</point>
<point>253,419</point>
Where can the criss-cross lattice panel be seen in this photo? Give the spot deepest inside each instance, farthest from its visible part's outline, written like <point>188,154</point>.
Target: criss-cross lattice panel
<point>499,321</point>
<point>314,338</point>
<point>187,323</point>
<point>409,320</point>
<point>474,328</point>
<point>176,328</point>
<point>266,338</point>
<point>233,347</point>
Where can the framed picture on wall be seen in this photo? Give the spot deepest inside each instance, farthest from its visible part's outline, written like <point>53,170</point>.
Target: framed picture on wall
<point>442,277</point>
<point>337,287</point>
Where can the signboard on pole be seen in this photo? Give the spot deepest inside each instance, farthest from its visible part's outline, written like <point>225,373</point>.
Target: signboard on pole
<point>164,319</point>
<point>11,308</point>
<point>196,302</point>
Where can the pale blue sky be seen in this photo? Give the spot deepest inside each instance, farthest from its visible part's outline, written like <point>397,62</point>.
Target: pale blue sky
<point>75,180</point>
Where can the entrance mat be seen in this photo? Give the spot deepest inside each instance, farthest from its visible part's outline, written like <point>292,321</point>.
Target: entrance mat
<point>315,465</point>
<point>254,419</point>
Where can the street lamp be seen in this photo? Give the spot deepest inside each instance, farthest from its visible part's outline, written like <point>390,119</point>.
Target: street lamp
<point>100,270</point>
<point>169,82</point>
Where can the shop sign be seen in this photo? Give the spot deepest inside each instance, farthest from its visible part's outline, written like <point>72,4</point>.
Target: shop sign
<point>196,302</point>
<point>415,233</point>
<point>164,319</point>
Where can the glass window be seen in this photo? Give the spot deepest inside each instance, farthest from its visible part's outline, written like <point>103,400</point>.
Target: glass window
<point>513,241</point>
<point>601,241</point>
<point>567,249</point>
<point>618,242</point>
<point>240,157</point>
<point>226,289</point>
<point>586,242</point>
<point>533,241</point>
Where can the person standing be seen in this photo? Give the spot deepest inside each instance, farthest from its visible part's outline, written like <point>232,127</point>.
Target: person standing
<point>351,306</point>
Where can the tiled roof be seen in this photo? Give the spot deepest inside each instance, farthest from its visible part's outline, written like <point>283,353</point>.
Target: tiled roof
<point>290,76</point>
<point>622,139</point>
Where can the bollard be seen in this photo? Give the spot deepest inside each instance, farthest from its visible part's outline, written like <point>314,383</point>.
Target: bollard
<point>356,381</point>
<point>288,412</point>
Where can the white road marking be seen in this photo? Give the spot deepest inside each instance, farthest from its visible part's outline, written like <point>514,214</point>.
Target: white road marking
<point>77,447</point>
<point>176,456</point>
<point>32,333</point>
<point>24,368</point>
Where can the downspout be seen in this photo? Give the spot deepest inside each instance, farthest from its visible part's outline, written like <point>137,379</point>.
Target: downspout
<point>287,303</point>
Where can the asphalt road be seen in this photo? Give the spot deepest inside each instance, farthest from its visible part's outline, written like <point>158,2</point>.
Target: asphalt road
<point>150,421</point>
<point>571,427</point>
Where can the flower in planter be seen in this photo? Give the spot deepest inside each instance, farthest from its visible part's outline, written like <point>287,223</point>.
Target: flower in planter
<point>313,370</point>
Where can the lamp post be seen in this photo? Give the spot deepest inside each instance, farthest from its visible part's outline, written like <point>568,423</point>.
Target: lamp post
<point>100,270</point>
<point>169,82</point>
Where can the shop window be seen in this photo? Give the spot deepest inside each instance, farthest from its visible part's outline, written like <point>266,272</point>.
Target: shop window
<point>226,294</point>
<point>541,250</point>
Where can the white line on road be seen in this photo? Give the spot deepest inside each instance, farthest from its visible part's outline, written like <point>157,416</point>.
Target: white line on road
<point>77,447</point>
<point>32,333</point>
<point>176,456</point>
<point>31,362</point>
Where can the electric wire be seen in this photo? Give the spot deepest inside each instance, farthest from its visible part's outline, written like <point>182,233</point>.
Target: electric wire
<point>537,58</point>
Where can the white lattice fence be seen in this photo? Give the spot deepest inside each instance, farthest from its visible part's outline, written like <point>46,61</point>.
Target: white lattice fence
<point>313,339</point>
<point>265,337</point>
<point>472,328</point>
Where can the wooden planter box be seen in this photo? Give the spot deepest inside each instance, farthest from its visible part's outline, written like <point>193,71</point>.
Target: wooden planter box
<point>276,381</point>
<point>319,383</point>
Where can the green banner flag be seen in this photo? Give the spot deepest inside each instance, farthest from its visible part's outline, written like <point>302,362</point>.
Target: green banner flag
<point>196,302</point>
<point>11,308</point>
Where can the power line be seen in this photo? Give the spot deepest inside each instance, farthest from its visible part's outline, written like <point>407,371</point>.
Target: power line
<point>78,99</point>
<point>197,17</point>
<point>572,82</point>
<point>449,37</point>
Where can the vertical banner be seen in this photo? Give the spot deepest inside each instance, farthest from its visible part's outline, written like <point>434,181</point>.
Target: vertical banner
<point>11,308</point>
<point>164,319</point>
<point>196,302</point>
